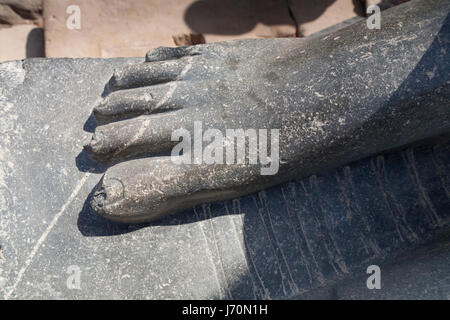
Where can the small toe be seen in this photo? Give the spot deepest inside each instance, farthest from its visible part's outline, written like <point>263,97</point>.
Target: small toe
<point>147,74</point>
<point>130,103</point>
<point>169,53</point>
<point>145,135</point>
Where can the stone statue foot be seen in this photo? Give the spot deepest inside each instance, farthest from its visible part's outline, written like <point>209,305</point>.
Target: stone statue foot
<point>334,99</point>
<point>173,89</point>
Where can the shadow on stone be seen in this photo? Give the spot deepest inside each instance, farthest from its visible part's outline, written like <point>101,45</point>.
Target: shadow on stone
<point>84,163</point>
<point>234,17</point>
<point>90,124</point>
<point>35,46</point>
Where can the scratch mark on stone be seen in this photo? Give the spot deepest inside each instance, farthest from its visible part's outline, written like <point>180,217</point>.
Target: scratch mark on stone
<point>250,255</point>
<point>424,199</point>
<point>209,253</point>
<point>292,283</point>
<point>207,211</point>
<point>321,229</point>
<point>320,276</point>
<point>337,257</point>
<point>445,180</point>
<point>255,289</point>
<point>380,177</point>
<point>49,228</point>
<point>291,227</point>
<point>401,226</point>
<point>366,233</point>
<point>271,244</point>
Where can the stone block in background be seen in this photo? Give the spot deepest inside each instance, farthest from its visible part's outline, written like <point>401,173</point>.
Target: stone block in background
<point>21,35</point>
<point>313,16</point>
<point>111,28</point>
<point>115,28</point>
<point>21,41</point>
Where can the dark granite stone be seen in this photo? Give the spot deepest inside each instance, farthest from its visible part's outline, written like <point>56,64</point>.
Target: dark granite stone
<point>335,98</point>
<point>277,243</point>
<point>312,237</point>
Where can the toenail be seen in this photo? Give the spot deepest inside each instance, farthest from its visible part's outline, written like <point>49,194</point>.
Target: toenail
<point>97,140</point>
<point>113,191</point>
<point>114,81</point>
<point>99,106</point>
